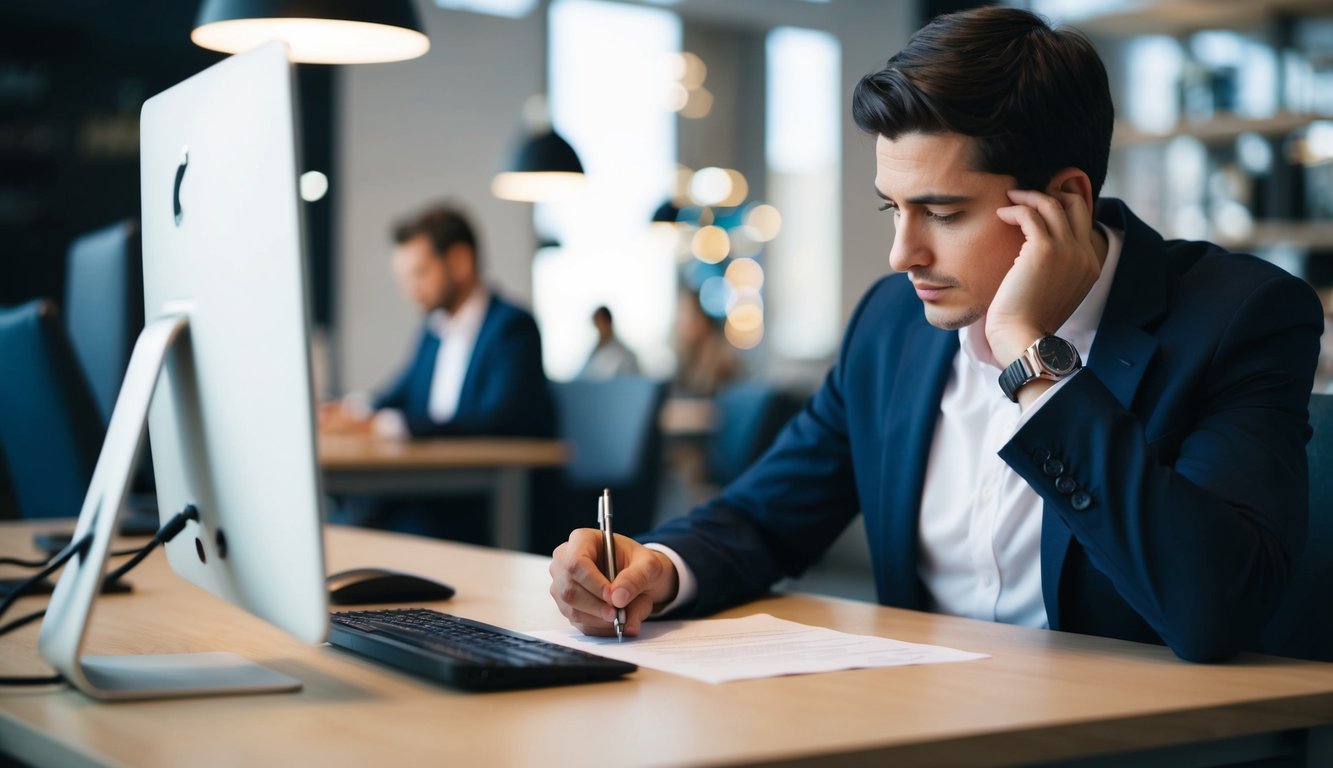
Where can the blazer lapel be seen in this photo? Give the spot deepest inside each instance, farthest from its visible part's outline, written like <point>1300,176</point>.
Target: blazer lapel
<point>912,408</point>
<point>467,393</point>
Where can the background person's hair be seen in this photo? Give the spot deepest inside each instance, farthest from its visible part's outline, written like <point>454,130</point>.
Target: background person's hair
<point>602,312</point>
<point>445,226</point>
<point>1034,99</point>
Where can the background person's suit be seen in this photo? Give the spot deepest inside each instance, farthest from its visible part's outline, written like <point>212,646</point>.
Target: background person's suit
<point>504,392</point>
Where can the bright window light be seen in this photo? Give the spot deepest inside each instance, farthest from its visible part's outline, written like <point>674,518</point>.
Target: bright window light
<point>804,151</point>
<point>603,55</point>
<point>512,9</point>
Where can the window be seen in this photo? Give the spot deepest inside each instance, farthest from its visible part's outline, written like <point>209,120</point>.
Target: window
<point>606,63</point>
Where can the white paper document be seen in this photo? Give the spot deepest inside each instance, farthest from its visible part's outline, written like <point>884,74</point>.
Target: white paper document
<point>722,650</point>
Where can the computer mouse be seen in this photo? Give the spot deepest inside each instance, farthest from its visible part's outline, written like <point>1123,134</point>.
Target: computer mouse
<point>361,586</point>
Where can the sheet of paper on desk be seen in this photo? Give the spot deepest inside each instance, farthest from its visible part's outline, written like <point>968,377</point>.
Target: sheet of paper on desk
<point>722,650</point>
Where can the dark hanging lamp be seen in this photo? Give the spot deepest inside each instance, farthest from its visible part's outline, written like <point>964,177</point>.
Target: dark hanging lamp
<point>543,167</point>
<point>317,31</point>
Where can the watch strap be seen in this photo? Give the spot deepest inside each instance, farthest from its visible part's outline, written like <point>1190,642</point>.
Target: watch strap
<point>1014,376</point>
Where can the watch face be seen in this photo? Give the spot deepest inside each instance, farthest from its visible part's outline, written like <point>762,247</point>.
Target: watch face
<point>1057,355</point>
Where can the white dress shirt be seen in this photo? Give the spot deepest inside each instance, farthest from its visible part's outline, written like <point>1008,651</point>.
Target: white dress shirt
<point>458,335</point>
<point>979,541</point>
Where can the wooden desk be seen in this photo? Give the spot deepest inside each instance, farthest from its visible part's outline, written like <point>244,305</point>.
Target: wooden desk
<point>496,466</point>
<point>1044,696</point>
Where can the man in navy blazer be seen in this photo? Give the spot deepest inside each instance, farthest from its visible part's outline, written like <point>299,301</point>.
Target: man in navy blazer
<point>504,390</point>
<point>477,368</point>
<point>1157,493</point>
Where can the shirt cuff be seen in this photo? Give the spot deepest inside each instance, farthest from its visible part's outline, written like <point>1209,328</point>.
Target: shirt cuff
<point>1041,400</point>
<point>390,424</point>
<point>686,585</point>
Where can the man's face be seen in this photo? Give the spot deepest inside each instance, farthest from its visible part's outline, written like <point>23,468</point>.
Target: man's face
<point>423,275</point>
<point>947,237</point>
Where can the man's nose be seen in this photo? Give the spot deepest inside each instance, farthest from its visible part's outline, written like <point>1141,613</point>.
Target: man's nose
<point>909,247</point>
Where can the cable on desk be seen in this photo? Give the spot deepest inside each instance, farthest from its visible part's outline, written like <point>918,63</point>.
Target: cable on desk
<point>164,534</point>
<point>24,563</point>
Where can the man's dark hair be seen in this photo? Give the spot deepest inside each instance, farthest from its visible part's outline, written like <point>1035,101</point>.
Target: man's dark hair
<point>1034,99</point>
<point>603,313</point>
<point>444,226</point>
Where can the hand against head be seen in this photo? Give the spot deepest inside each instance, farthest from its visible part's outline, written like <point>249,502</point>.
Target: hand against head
<point>1061,258</point>
<point>644,578</point>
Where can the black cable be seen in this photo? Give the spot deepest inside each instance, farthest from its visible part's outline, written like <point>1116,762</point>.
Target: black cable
<point>164,534</point>
<point>72,549</point>
<point>20,562</point>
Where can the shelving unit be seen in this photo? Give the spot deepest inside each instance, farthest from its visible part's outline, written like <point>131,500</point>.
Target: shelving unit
<point>1217,130</point>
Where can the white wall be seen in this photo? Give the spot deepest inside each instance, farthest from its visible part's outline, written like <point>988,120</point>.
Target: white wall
<point>438,127</point>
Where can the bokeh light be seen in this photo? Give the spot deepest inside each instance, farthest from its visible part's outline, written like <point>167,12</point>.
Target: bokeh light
<point>711,244</point>
<point>314,185</point>
<point>745,273</point>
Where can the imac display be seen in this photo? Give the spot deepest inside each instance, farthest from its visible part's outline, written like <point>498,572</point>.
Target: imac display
<point>222,373</point>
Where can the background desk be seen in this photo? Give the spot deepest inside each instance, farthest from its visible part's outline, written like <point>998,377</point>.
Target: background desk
<point>1045,696</point>
<point>355,464</point>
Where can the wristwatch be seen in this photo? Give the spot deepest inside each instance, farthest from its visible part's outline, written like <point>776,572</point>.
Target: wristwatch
<point>1049,357</point>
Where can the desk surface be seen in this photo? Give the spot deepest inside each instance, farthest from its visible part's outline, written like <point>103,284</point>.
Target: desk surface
<point>362,452</point>
<point>1043,695</point>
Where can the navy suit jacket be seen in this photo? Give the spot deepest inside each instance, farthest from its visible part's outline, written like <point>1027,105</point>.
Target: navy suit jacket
<point>1185,435</point>
<point>504,391</point>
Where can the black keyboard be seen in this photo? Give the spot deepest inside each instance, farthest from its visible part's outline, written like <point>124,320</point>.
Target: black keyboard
<point>465,653</point>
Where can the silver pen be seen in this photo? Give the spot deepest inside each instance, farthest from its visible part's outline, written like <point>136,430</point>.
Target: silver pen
<point>604,523</point>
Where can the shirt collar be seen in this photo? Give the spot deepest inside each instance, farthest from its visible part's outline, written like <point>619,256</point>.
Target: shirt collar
<point>468,317</point>
<point>1079,329</point>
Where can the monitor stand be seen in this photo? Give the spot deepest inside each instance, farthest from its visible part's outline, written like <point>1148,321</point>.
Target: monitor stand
<point>68,615</point>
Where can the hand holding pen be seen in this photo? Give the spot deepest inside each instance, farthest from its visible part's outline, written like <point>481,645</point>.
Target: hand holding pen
<point>608,542</point>
<point>643,579</point>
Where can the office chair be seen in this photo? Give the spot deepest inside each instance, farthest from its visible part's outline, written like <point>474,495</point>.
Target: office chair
<point>615,441</point>
<point>103,306</point>
<point>50,429</point>
<point>1303,624</point>
<point>750,415</point>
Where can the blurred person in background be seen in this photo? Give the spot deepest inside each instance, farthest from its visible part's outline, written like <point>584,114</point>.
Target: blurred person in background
<point>477,365</point>
<point>610,358</point>
<point>705,361</point>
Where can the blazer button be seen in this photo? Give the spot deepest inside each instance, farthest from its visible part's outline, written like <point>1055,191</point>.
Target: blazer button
<point>1080,501</point>
<point>1041,455</point>
<point>1065,484</point>
<point>1053,467</point>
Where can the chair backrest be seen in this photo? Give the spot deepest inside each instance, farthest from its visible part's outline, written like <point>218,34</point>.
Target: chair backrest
<point>103,306</point>
<point>50,430</point>
<point>611,427</point>
<point>749,416</point>
<point>1303,624</point>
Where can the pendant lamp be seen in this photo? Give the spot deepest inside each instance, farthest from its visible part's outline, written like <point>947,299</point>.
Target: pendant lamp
<point>543,166</point>
<point>318,31</point>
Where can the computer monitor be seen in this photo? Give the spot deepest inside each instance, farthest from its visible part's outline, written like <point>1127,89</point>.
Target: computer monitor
<point>222,373</point>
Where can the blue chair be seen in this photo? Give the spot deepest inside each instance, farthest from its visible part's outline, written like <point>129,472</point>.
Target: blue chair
<point>1303,624</point>
<point>50,429</point>
<point>750,414</point>
<point>615,440</point>
<point>104,310</point>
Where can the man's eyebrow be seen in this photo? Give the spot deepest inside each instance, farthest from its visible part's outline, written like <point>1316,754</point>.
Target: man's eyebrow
<point>930,198</point>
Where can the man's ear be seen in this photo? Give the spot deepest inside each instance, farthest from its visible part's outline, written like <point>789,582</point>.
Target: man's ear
<point>1072,180</point>
<point>462,262</point>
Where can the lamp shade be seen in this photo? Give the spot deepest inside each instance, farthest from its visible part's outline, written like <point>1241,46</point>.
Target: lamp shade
<point>544,168</point>
<point>317,31</point>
